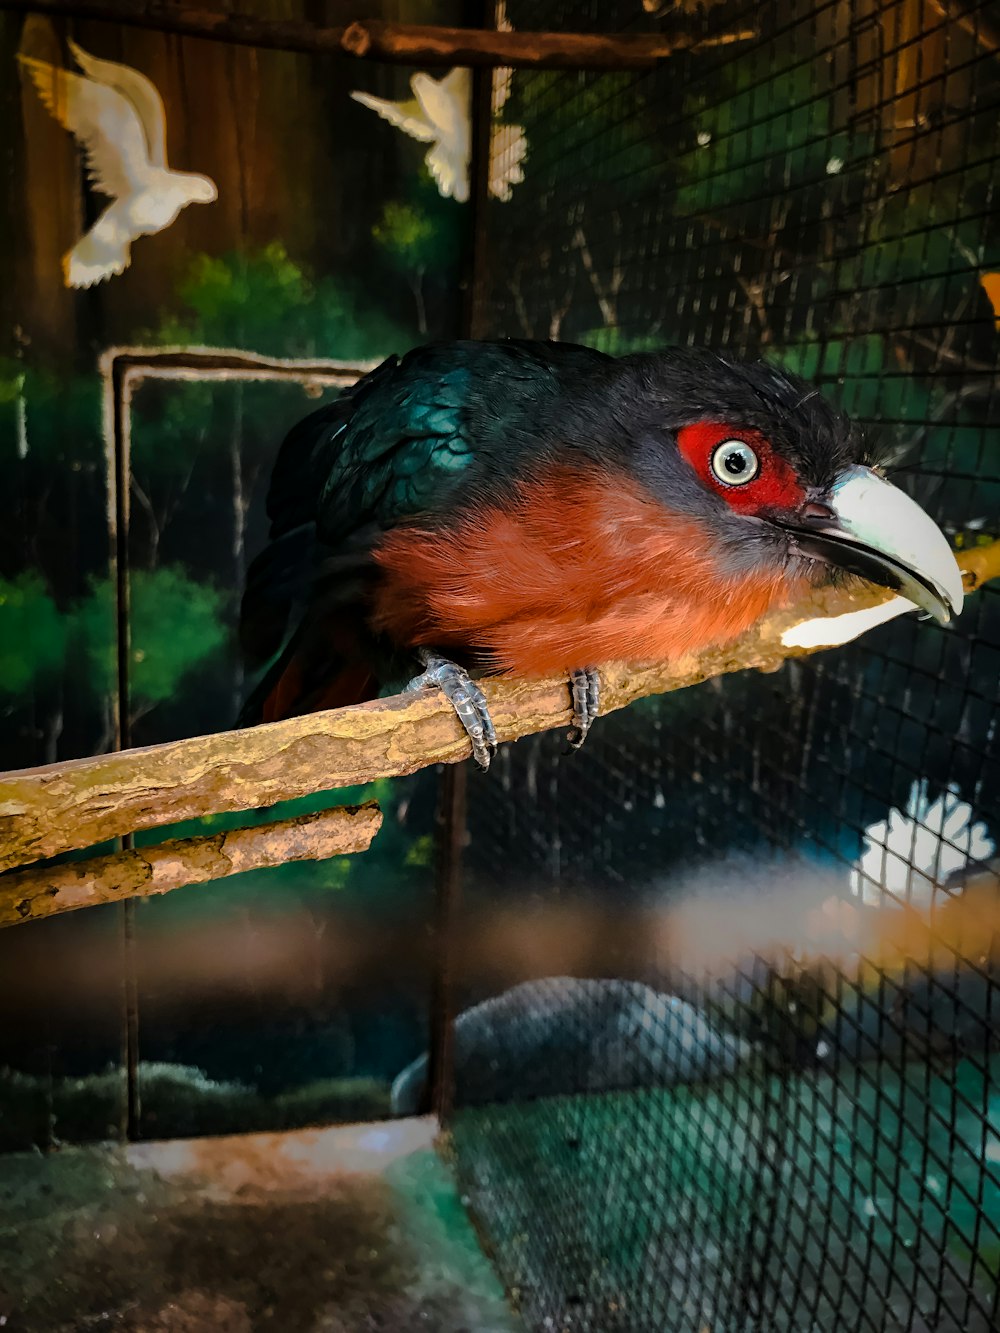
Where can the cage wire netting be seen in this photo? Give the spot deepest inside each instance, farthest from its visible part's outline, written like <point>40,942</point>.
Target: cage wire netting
<point>678,1106</point>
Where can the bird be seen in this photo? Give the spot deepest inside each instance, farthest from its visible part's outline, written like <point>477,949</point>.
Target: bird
<point>532,508</point>
<point>117,116</point>
<point>439,113</point>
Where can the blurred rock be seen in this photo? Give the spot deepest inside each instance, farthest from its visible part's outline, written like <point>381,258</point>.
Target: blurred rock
<point>566,1035</point>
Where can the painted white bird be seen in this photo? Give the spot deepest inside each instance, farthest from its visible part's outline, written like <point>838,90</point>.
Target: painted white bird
<point>439,113</point>
<point>117,116</point>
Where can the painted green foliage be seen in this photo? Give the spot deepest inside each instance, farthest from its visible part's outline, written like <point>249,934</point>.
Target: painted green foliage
<point>177,628</point>
<point>32,633</point>
<point>52,542</point>
<point>267,302</point>
<point>174,627</point>
<point>408,238</point>
<point>405,233</point>
<point>420,237</point>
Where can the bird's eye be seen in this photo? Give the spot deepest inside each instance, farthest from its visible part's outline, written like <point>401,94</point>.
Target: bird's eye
<point>734,462</point>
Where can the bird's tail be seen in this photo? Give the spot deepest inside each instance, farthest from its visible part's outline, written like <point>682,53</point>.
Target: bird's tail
<point>303,613</point>
<point>319,668</point>
<point>100,253</point>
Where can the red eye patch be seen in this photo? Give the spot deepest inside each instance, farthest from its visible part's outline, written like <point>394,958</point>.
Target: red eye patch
<point>775,485</point>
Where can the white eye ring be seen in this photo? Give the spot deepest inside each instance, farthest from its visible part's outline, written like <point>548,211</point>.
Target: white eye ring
<point>734,462</point>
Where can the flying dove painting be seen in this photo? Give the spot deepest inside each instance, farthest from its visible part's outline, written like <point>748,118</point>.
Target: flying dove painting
<point>439,113</point>
<point>117,117</point>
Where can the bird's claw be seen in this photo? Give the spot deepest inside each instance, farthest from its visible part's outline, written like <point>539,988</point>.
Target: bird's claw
<point>585,689</point>
<point>465,697</point>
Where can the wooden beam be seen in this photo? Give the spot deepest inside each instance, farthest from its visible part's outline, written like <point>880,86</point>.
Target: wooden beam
<point>66,806</point>
<point>29,895</point>
<point>393,43</point>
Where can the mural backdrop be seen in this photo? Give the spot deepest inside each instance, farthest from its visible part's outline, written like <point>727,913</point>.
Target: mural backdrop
<point>162,191</point>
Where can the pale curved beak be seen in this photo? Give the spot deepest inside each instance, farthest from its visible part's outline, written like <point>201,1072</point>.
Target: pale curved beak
<point>865,525</point>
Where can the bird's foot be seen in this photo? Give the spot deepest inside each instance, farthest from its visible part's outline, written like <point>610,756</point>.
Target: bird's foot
<point>585,688</point>
<point>465,697</point>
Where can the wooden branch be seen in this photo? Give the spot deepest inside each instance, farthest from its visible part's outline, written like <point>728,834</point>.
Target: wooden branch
<point>413,44</point>
<point>65,806</point>
<point>394,43</point>
<point>29,895</point>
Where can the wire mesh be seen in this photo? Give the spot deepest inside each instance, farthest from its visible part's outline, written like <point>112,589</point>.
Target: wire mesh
<point>798,1129</point>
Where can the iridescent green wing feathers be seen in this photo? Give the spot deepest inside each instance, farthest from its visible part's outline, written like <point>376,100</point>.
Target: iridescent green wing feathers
<point>390,446</point>
<point>413,434</point>
<point>414,439</point>
<point>404,452</point>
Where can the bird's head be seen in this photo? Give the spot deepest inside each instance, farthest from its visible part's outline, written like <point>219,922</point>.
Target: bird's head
<point>778,475</point>
<point>201,189</point>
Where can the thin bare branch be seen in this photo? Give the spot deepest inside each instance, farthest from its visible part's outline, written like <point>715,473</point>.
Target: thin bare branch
<point>29,895</point>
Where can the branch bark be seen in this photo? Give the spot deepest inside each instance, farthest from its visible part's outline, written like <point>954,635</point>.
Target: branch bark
<point>395,43</point>
<point>32,894</point>
<point>62,807</point>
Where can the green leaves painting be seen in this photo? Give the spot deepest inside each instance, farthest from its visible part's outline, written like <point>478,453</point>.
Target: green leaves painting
<point>177,627</point>
<point>32,633</point>
<point>265,302</point>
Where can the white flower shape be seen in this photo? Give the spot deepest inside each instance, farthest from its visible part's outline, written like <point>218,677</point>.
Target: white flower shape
<point>117,116</point>
<point>908,855</point>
